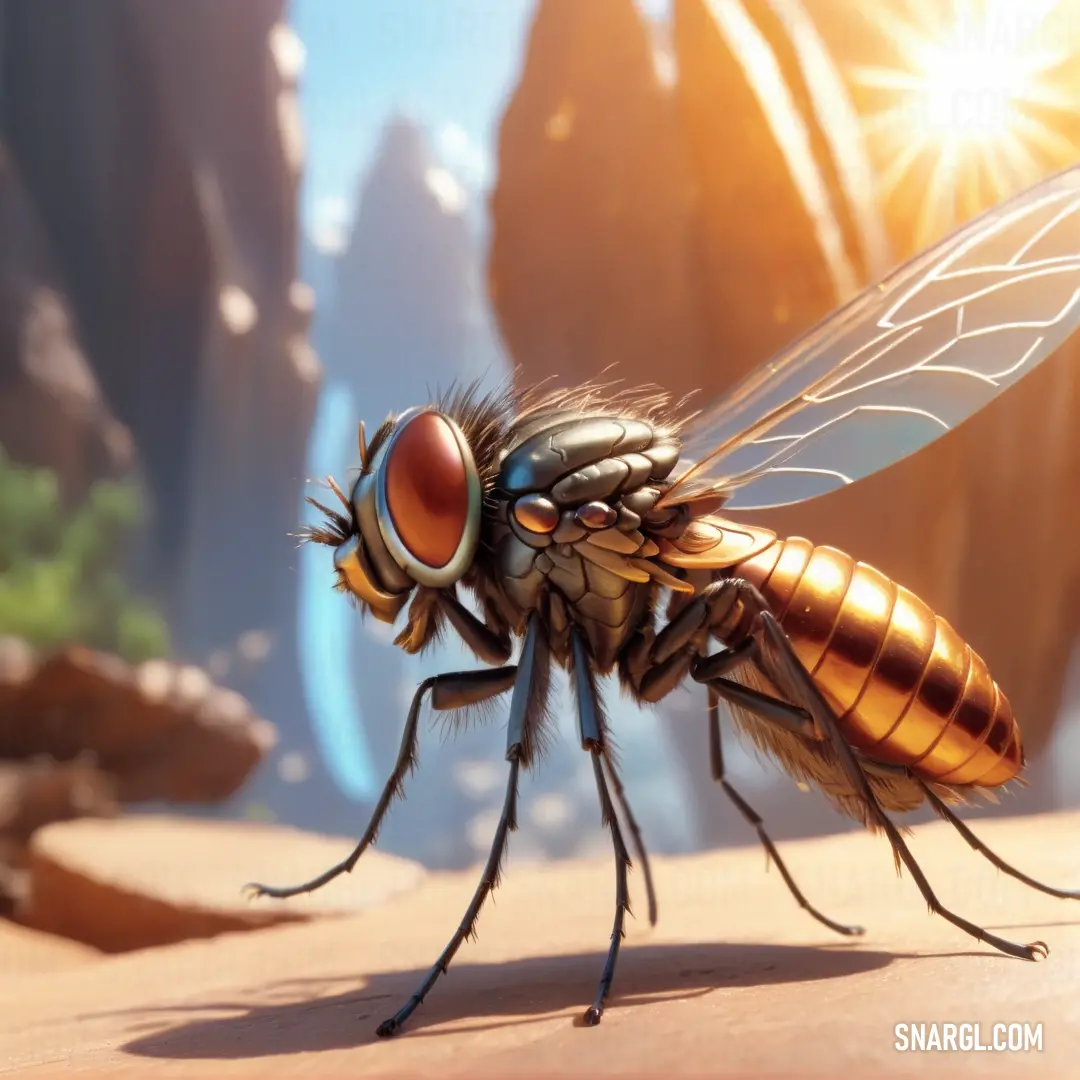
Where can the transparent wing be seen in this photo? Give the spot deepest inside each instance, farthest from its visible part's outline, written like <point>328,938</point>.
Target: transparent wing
<point>901,364</point>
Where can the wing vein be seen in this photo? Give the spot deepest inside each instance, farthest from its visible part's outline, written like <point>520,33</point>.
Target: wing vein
<point>978,311</point>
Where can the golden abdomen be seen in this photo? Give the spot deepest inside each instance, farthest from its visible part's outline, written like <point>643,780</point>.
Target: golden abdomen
<point>907,689</point>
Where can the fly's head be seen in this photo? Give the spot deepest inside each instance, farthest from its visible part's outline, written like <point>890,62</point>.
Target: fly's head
<point>413,516</point>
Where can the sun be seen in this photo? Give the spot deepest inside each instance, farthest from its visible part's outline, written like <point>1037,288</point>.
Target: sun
<point>974,106</point>
<point>966,98</point>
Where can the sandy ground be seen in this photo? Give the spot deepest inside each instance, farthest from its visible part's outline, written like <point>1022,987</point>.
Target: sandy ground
<point>734,980</point>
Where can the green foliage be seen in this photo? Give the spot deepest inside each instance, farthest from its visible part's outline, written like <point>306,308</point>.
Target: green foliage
<point>258,811</point>
<point>59,577</point>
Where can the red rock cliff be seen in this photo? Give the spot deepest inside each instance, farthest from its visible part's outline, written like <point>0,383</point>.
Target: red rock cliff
<point>593,207</point>
<point>160,147</point>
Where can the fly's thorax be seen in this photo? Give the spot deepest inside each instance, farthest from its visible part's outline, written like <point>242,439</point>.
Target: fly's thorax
<point>569,527</point>
<point>575,458</point>
<point>417,510</point>
<point>548,561</point>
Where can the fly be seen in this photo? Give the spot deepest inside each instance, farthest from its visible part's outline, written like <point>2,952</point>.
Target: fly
<point>594,527</point>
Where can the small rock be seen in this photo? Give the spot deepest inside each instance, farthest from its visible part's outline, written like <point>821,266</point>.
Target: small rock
<point>38,792</point>
<point>148,880</point>
<point>164,731</point>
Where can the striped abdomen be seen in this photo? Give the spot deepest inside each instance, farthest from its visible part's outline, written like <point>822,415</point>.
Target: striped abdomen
<point>907,689</point>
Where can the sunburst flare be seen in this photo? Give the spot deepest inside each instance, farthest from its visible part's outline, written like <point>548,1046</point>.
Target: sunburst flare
<point>975,104</point>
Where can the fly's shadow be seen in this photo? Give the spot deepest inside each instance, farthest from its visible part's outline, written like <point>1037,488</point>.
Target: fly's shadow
<point>309,1016</point>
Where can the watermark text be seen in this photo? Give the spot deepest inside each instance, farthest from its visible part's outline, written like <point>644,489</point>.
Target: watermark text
<point>1017,1038</point>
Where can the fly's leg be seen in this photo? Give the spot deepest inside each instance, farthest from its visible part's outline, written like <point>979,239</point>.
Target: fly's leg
<point>976,844</point>
<point>786,670</point>
<point>706,670</point>
<point>716,758</point>
<point>622,891</point>
<point>453,690</point>
<point>488,882</point>
<point>592,728</point>
<point>489,640</point>
<point>623,803</point>
<point>709,670</point>
<point>526,707</point>
<point>662,663</point>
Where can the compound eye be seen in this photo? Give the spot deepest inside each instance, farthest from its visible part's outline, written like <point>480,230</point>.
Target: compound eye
<point>431,497</point>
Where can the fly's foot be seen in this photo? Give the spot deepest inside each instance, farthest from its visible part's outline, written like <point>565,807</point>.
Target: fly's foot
<point>1035,951</point>
<point>1038,950</point>
<point>848,930</point>
<point>592,1015</point>
<point>395,1023</point>
<point>254,891</point>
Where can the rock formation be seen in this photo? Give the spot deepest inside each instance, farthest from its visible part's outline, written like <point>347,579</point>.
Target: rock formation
<point>52,411</point>
<point>783,230</point>
<point>159,148</point>
<point>588,147</point>
<point>782,227</point>
<point>406,287</point>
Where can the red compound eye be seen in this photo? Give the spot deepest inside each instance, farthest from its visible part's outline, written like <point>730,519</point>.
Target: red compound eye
<point>427,489</point>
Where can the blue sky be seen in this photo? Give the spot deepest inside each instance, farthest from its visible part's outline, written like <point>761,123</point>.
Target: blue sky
<point>447,63</point>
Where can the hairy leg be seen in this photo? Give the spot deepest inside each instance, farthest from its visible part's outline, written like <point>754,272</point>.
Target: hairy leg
<point>677,651</point>
<point>638,841</point>
<point>592,728</point>
<point>944,812</point>
<point>526,708</point>
<point>716,757</point>
<point>453,690</point>
<point>788,671</point>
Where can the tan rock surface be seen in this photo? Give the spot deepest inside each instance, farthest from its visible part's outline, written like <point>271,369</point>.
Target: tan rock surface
<point>26,952</point>
<point>734,980</point>
<point>137,882</point>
